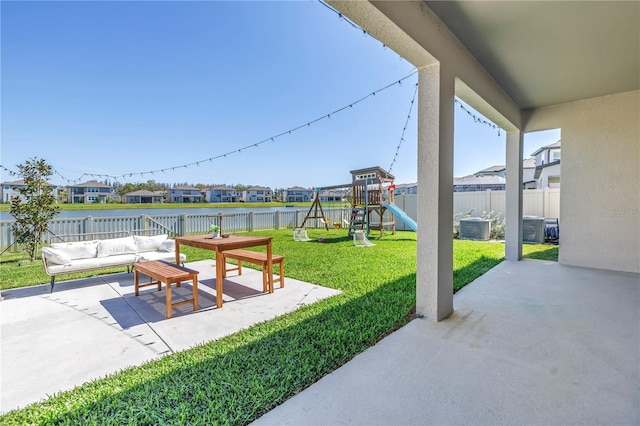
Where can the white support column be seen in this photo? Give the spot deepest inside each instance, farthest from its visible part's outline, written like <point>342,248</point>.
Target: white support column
<point>513,216</point>
<point>434,286</point>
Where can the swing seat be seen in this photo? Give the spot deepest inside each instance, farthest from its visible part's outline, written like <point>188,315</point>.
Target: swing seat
<point>361,240</point>
<point>300,234</point>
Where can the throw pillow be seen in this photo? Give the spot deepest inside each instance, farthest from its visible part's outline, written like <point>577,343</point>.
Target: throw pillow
<point>59,257</point>
<point>152,243</point>
<point>116,246</point>
<point>78,249</point>
<point>167,245</point>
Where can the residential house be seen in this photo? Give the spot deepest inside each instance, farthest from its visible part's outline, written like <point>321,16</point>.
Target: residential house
<point>333,195</point>
<point>143,196</point>
<point>547,166</point>
<point>526,66</point>
<point>528,174</point>
<point>473,183</point>
<point>257,194</point>
<point>222,194</point>
<point>184,194</point>
<point>406,188</point>
<point>474,51</point>
<point>8,190</point>
<point>494,178</point>
<point>297,194</point>
<point>90,192</point>
<point>492,171</point>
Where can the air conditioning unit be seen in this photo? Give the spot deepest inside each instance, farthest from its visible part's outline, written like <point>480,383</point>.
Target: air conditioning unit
<point>533,229</point>
<point>475,228</point>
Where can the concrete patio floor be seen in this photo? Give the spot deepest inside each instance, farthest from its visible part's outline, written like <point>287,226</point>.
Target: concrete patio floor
<point>530,342</point>
<point>92,327</point>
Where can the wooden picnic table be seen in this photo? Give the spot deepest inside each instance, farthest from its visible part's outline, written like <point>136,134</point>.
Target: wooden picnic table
<point>219,245</point>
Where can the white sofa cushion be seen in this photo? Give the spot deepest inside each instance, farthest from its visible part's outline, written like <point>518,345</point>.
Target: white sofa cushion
<point>56,256</point>
<point>116,246</point>
<point>167,245</point>
<point>149,243</point>
<point>80,265</point>
<point>78,249</point>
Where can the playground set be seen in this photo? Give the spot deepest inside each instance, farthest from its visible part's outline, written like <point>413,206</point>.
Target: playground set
<point>371,195</point>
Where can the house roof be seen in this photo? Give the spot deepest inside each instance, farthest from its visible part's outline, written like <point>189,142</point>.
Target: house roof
<point>493,169</point>
<point>90,184</point>
<point>298,188</point>
<point>529,163</point>
<point>552,146</point>
<point>143,193</point>
<point>223,188</point>
<point>379,170</point>
<point>185,188</point>
<point>479,180</point>
<point>15,183</point>
<point>257,188</point>
<point>521,43</point>
<point>406,185</point>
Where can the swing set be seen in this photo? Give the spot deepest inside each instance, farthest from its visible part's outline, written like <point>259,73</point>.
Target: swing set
<point>368,189</point>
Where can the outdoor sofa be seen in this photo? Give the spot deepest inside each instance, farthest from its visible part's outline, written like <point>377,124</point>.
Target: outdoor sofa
<point>80,256</point>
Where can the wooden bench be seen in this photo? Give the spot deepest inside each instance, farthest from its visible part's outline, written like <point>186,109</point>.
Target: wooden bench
<point>257,258</point>
<point>167,273</point>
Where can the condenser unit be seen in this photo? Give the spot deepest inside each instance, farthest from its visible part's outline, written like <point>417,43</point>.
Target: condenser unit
<point>533,229</point>
<point>475,228</point>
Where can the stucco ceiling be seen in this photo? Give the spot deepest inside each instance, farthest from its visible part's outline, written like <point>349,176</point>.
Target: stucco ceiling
<point>549,52</point>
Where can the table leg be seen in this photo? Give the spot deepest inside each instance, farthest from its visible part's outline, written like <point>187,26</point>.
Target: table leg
<point>219,277</point>
<point>195,292</point>
<point>177,253</point>
<point>135,281</point>
<point>270,267</point>
<point>168,301</point>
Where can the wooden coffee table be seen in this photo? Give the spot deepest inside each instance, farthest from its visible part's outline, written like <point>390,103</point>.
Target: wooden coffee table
<point>167,273</point>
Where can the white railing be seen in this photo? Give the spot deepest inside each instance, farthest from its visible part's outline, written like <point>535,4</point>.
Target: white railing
<point>177,224</point>
<point>535,202</point>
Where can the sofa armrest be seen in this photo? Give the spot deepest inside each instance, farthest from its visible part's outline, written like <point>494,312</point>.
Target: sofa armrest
<point>44,263</point>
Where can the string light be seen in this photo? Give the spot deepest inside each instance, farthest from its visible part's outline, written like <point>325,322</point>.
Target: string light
<point>477,119</point>
<point>11,172</point>
<point>404,129</point>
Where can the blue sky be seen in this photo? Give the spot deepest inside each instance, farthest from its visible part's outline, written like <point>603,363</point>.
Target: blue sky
<point>119,88</point>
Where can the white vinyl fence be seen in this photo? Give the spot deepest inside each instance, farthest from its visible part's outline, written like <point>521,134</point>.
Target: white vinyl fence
<point>535,202</point>
<point>89,228</point>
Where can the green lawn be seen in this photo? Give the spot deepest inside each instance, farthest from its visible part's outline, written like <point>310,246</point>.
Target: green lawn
<point>238,378</point>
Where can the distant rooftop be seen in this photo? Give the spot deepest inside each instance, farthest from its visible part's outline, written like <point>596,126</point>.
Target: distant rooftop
<point>529,163</point>
<point>493,169</point>
<point>91,184</point>
<point>143,193</point>
<point>258,188</point>
<point>552,146</point>
<point>479,180</point>
<point>186,187</point>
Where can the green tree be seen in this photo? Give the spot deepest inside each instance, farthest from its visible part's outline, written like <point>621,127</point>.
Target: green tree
<point>34,208</point>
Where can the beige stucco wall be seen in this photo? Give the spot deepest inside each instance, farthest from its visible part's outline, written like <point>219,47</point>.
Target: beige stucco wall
<point>600,190</point>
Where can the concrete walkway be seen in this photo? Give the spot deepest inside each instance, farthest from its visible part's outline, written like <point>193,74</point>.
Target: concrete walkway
<point>530,342</point>
<point>89,328</point>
